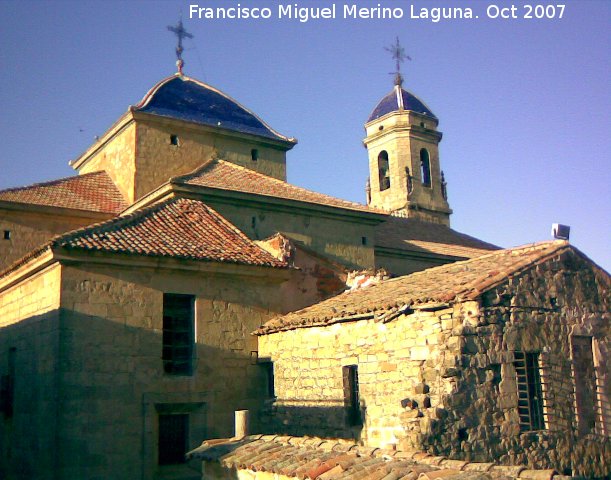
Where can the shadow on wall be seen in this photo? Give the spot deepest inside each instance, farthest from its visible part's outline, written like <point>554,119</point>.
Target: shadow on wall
<point>326,419</point>
<point>96,388</point>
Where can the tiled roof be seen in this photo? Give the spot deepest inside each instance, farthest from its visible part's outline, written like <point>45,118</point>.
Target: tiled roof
<point>399,99</point>
<point>177,228</point>
<point>459,281</point>
<point>315,458</point>
<point>417,236</point>
<point>94,192</point>
<point>188,99</point>
<point>228,176</point>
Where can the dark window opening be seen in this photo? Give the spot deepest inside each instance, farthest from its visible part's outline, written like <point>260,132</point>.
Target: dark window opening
<point>173,438</point>
<point>268,368</point>
<point>178,333</point>
<point>7,234</point>
<point>363,240</point>
<point>351,395</point>
<point>174,140</point>
<point>253,222</point>
<point>383,171</point>
<point>7,386</point>
<point>585,383</point>
<point>425,167</point>
<point>381,127</point>
<point>530,391</point>
<point>254,154</point>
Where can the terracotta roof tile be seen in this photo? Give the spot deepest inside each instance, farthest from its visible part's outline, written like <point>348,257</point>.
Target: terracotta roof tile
<point>414,235</point>
<point>304,460</point>
<point>464,280</point>
<point>94,192</point>
<point>228,176</point>
<point>177,228</point>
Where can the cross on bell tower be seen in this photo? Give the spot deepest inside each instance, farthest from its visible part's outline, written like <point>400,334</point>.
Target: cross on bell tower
<point>180,33</point>
<point>399,55</point>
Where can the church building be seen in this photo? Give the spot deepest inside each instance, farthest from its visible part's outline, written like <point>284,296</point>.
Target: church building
<point>129,292</point>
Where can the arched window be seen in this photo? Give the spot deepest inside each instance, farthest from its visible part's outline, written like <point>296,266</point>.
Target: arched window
<point>383,170</point>
<point>425,167</point>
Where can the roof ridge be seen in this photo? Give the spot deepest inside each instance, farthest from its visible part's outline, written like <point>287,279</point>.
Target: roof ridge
<point>56,181</point>
<point>281,182</point>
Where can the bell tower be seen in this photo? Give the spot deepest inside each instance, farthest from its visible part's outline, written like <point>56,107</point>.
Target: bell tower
<point>403,146</point>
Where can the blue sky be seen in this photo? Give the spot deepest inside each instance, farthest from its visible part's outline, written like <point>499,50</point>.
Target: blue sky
<point>523,104</point>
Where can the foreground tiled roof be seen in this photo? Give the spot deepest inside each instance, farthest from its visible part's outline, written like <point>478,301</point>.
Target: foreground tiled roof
<point>459,281</point>
<point>175,228</point>
<point>409,234</point>
<point>94,192</point>
<point>315,458</point>
<point>228,176</point>
<point>188,99</point>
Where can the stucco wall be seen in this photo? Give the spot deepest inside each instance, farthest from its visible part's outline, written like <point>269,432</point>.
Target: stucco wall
<point>29,323</point>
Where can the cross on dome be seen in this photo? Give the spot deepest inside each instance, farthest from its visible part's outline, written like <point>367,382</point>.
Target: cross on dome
<point>180,33</point>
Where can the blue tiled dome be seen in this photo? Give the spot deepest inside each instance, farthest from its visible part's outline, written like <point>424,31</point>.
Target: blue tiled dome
<point>186,99</point>
<point>399,99</point>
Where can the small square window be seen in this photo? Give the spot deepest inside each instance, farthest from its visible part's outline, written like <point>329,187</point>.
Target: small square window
<point>254,154</point>
<point>363,240</point>
<point>7,235</point>
<point>174,140</point>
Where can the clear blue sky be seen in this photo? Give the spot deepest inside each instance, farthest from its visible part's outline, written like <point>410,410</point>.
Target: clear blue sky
<point>523,104</point>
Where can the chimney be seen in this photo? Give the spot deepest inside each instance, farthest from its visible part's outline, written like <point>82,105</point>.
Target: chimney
<point>561,232</point>
<point>241,423</point>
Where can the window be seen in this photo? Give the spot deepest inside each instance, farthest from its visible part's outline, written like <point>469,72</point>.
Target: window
<point>7,234</point>
<point>585,383</point>
<point>268,368</point>
<point>383,171</point>
<point>178,333</point>
<point>351,395</point>
<point>425,167</point>
<point>174,140</point>
<point>530,391</point>
<point>254,154</point>
<point>173,438</point>
<point>7,386</point>
<point>363,240</point>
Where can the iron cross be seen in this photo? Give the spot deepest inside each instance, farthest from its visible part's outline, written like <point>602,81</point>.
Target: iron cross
<point>181,33</point>
<point>399,55</point>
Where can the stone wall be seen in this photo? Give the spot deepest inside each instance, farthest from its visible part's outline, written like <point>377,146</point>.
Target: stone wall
<point>445,381</point>
<point>339,239</point>
<point>117,158</point>
<point>29,324</point>
<point>112,374</point>
<point>401,375</point>
<point>158,159</point>
<point>30,229</point>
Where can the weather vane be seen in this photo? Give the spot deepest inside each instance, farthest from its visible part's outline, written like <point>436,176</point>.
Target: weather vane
<point>181,33</point>
<point>399,55</point>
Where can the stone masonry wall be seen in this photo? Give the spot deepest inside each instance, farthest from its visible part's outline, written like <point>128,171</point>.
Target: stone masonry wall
<point>29,324</point>
<point>445,381</point>
<point>117,158</point>
<point>158,160</point>
<point>538,311</point>
<point>113,383</point>
<point>29,230</point>
<point>402,375</point>
<point>334,238</point>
